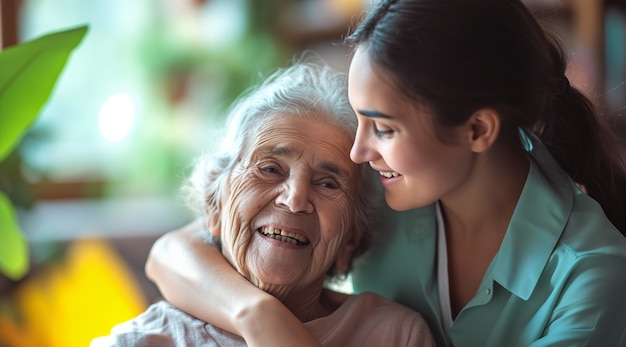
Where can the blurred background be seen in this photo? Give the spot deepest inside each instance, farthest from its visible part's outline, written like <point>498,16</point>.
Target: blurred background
<point>96,179</point>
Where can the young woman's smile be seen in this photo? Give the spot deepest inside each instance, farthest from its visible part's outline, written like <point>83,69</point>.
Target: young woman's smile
<point>387,177</point>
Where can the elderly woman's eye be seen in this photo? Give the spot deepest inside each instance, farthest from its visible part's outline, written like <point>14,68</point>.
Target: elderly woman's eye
<point>329,185</point>
<point>270,169</point>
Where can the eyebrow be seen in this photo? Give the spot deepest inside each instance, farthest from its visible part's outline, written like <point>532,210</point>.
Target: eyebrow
<point>374,114</point>
<point>332,168</point>
<point>281,151</point>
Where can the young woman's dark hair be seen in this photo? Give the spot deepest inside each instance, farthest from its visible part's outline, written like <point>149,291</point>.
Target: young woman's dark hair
<point>462,55</point>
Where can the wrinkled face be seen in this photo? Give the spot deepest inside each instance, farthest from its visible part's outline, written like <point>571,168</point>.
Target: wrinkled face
<point>288,215</point>
<point>398,139</point>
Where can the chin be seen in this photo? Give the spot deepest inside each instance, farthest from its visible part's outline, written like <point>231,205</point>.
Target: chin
<point>401,205</point>
<point>397,205</point>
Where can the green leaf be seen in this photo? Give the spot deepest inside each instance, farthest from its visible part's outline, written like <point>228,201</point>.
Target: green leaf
<point>13,247</point>
<point>28,74</point>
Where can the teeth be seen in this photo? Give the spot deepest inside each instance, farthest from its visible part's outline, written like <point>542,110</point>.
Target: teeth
<point>389,174</point>
<point>284,236</point>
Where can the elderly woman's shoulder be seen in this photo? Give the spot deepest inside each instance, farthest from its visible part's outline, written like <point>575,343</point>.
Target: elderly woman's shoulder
<point>164,325</point>
<point>393,323</point>
<point>368,319</point>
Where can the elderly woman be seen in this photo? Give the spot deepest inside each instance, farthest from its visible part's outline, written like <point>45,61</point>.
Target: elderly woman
<point>289,209</point>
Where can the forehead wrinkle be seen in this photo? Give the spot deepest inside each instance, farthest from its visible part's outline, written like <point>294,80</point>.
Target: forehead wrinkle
<point>264,148</point>
<point>281,151</point>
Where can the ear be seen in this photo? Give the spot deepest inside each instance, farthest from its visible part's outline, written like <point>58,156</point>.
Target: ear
<point>483,129</point>
<point>213,224</point>
<point>344,257</point>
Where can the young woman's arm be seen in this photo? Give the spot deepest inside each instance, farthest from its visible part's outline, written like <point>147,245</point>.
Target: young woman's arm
<point>195,277</point>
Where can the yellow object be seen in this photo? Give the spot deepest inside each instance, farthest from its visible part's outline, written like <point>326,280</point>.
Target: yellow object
<point>73,302</point>
<point>347,8</point>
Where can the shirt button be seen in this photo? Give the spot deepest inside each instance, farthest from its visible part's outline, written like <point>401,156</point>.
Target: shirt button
<point>488,291</point>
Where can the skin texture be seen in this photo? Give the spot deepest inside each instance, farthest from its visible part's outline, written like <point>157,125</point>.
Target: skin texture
<point>297,178</point>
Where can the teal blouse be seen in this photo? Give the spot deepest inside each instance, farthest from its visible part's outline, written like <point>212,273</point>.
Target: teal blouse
<point>558,279</point>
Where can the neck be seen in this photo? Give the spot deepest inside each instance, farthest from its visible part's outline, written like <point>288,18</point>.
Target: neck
<point>484,205</point>
<point>305,303</point>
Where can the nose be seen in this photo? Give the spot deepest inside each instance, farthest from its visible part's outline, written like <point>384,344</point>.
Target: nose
<point>296,195</point>
<point>359,153</point>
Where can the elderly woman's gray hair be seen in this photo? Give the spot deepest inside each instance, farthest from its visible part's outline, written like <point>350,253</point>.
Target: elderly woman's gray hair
<point>304,89</point>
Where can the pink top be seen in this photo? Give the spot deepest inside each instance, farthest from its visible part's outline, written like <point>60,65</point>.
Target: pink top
<point>369,320</point>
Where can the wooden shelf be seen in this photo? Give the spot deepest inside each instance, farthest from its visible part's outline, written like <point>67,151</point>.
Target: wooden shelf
<point>301,23</point>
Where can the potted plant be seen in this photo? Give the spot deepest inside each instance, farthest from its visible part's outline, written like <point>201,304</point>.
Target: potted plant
<point>28,74</point>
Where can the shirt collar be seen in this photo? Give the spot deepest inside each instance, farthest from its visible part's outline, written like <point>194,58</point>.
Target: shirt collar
<point>531,236</point>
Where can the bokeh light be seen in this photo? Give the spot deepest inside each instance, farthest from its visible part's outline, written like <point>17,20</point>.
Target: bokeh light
<point>116,117</point>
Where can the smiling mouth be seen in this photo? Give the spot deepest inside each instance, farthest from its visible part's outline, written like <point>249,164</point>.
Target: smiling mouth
<point>389,174</point>
<point>284,236</point>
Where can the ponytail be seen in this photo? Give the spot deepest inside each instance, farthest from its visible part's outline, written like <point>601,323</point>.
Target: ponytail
<point>582,142</point>
<point>494,53</point>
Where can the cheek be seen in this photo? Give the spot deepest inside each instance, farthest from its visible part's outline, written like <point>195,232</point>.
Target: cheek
<point>236,238</point>
<point>412,157</point>
<point>243,204</point>
<point>406,157</point>
<point>437,169</point>
<point>248,195</point>
<point>336,230</point>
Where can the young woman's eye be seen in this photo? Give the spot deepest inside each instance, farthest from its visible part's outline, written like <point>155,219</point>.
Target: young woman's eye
<point>383,133</point>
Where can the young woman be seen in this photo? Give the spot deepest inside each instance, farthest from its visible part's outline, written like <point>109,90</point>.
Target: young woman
<point>465,110</point>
